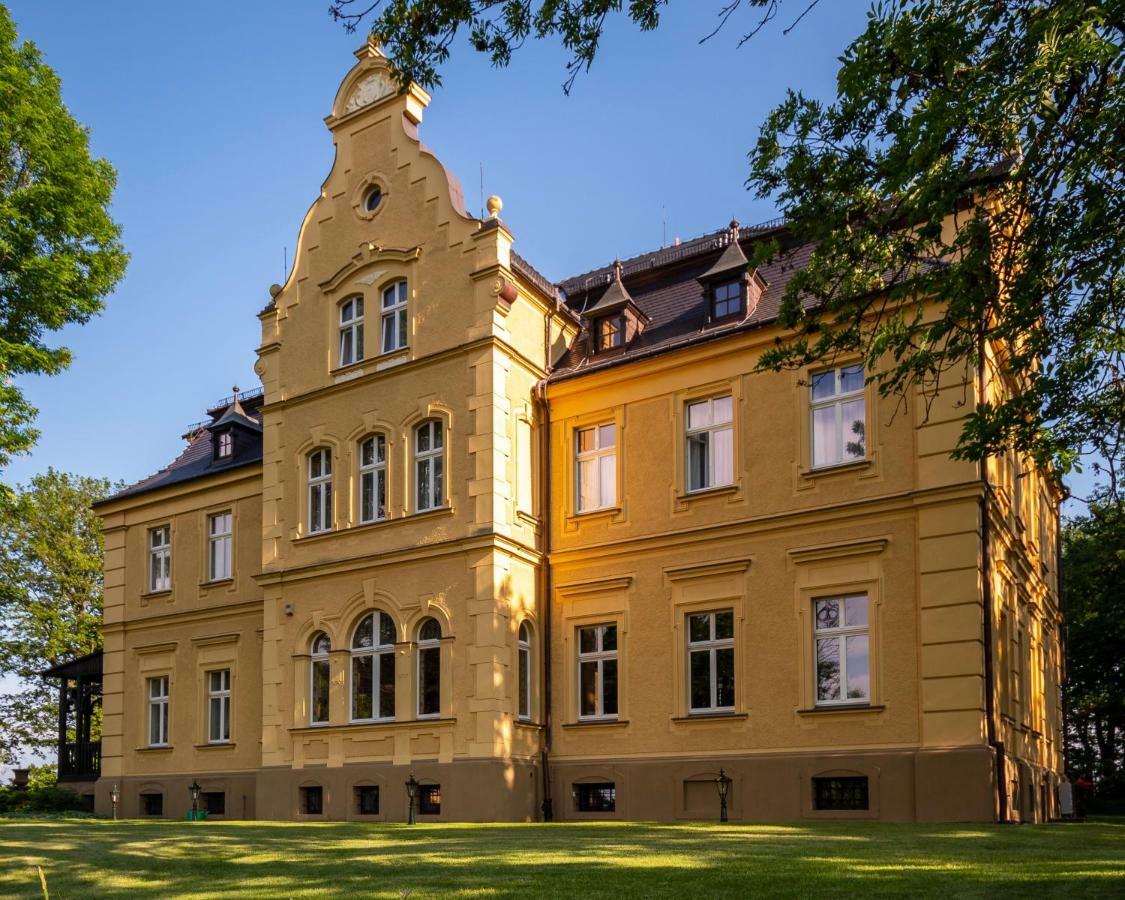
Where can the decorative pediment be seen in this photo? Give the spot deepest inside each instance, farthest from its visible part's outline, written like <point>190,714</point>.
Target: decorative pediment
<point>371,88</point>
<point>369,255</point>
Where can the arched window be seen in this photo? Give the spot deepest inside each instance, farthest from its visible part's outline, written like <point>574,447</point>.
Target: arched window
<point>395,320</point>
<point>373,669</point>
<point>321,678</point>
<point>525,672</point>
<point>351,331</point>
<point>373,479</point>
<point>429,669</point>
<point>428,465</point>
<point>320,490</point>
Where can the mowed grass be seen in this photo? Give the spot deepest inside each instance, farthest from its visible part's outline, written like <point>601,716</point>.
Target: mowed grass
<point>97,858</point>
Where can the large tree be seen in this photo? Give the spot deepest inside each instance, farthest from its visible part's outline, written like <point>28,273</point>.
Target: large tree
<point>1003,117</point>
<point>1094,570</point>
<point>60,251</point>
<point>50,597</point>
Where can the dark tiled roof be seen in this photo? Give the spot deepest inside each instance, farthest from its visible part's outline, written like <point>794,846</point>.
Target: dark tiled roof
<point>197,460</point>
<point>664,285</point>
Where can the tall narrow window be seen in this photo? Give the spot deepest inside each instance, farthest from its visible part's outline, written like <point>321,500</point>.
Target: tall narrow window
<point>429,669</point>
<point>597,672</point>
<point>838,418</point>
<point>219,543</point>
<point>525,672</point>
<point>320,679</point>
<point>320,490</point>
<point>395,320</point>
<point>160,559</point>
<point>373,669</point>
<point>843,667</point>
<point>726,300</point>
<point>373,479</point>
<point>711,661</point>
<point>428,463</point>
<point>218,706</point>
<point>710,444</point>
<point>158,711</point>
<point>596,462</point>
<point>351,331</point>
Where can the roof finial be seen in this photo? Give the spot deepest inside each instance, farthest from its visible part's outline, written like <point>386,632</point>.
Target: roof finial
<point>735,231</point>
<point>617,269</point>
<point>494,205</point>
<point>234,390</point>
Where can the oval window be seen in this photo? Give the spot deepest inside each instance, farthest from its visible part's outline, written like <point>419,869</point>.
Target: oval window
<point>373,199</point>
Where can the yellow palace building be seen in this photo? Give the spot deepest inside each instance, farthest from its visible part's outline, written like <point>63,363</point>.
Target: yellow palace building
<point>555,549</point>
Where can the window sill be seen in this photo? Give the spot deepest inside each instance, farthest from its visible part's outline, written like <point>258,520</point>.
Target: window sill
<point>717,491</point>
<point>837,468</point>
<point>601,512</point>
<point>595,723</point>
<point>710,716</point>
<point>842,708</point>
<point>216,745</point>
<point>163,748</point>
<point>217,582</point>
<point>151,595</point>
<point>355,369</point>
<point>528,723</point>
<point>528,519</point>
<point>373,723</point>
<point>378,523</point>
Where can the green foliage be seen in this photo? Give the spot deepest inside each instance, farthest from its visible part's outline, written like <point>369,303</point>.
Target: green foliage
<point>50,596</point>
<point>60,251</point>
<point>39,799</point>
<point>1094,605</point>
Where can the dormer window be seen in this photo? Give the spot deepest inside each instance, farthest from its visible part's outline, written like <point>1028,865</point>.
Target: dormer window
<point>226,446</point>
<point>726,300</point>
<point>611,332</point>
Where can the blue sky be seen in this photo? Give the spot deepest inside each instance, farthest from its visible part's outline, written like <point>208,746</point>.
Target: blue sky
<point>212,114</point>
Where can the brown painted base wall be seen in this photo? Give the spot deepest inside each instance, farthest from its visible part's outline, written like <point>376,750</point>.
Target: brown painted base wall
<point>903,786</point>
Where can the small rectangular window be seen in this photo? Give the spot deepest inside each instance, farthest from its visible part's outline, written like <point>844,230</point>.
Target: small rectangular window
<point>711,661</point>
<point>611,332</point>
<point>220,537</point>
<point>597,672</point>
<point>842,652</point>
<point>596,465</point>
<point>839,423</point>
<point>158,711</point>
<point>840,793</point>
<point>160,559</point>
<point>726,300</point>
<point>225,448</point>
<point>710,443</point>
<point>312,800</point>
<point>152,804</point>
<point>429,799</point>
<point>367,799</point>
<point>218,706</point>
<point>215,802</point>
<point>596,798</point>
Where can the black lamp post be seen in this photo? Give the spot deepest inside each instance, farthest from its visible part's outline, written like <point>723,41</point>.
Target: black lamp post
<point>194,788</point>
<point>411,794</point>
<point>114,796</point>
<point>723,784</point>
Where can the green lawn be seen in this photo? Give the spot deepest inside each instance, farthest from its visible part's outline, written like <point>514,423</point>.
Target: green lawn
<point>97,858</point>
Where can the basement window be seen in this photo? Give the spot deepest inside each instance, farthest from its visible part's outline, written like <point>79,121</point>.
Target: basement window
<point>840,793</point>
<point>312,800</point>
<point>597,797</point>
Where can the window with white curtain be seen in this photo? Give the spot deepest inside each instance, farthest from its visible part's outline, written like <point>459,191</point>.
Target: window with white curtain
<point>351,331</point>
<point>429,450</point>
<point>373,479</point>
<point>842,648</point>
<point>710,443</point>
<point>596,465</point>
<point>219,544</point>
<point>320,490</point>
<point>394,321</point>
<point>160,559</point>
<point>839,422</point>
<point>373,669</point>
<point>320,678</point>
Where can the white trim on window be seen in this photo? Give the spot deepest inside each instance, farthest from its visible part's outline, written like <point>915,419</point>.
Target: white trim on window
<point>525,672</point>
<point>218,706</point>
<point>226,445</point>
<point>160,558</point>
<point>711,645</point>
<point>320,490</point>
<point>374,641</point>
<point>158,711</point>
<point>841,650</point>
<point>837,411</point>
<point>351,331</point>
<point>597,662</point>
<point>395,319</point>
<point>320,663</point>
<point>429,465</point>
<point>709,437</point>
<point>595,467</point>
<point>373,479</point>
<point>429,669</point>
<point>219,544</point>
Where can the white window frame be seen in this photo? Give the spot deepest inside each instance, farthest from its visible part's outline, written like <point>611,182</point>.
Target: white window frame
<point>351,331</point>
<point>596,455</point>
<point>840,634</point>
<point>711,646</point>
<point>374,472</point>
<point>226,445</point>
<point>376,651</point>
<point>599,656</point>
<point>320,486</point>
<point>218,701</point>
<point>395,320</point>
<point>319,657</point>
<point>220,546</point>
<point>157,689</point>
<point>432,645</point>
<point>160,558</point>
<point>837,399</point>
<point>426,465</point>
<point>739,290</point>
<point>524,673</point>
<point>705,434</point>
